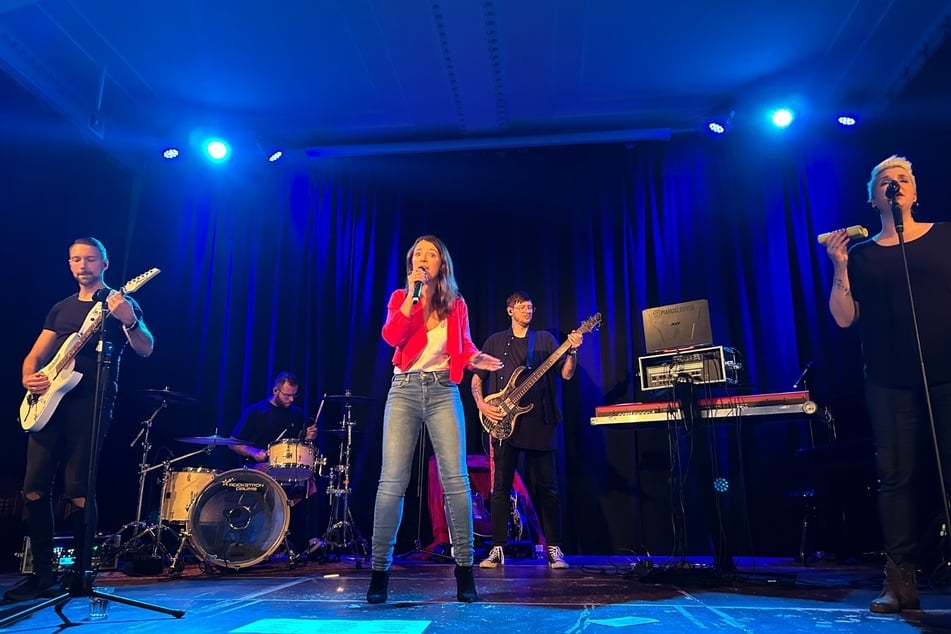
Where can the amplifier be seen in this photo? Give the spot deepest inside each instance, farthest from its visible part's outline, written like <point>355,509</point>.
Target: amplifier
<point>713,364</point>
<point>105,553</point>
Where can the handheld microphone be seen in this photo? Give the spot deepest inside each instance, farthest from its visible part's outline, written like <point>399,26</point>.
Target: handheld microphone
<point>417,291</point>
<point>855,231</point>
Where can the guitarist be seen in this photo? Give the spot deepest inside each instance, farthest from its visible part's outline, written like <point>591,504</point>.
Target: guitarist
<point>66,440</point>
<point>534,434</point>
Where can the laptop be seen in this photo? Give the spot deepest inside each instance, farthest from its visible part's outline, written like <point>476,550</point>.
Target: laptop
<point>677,326</point>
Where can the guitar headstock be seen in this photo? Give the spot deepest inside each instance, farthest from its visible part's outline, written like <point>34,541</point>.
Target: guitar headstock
<point>136,282</point>
<point>590,324</point>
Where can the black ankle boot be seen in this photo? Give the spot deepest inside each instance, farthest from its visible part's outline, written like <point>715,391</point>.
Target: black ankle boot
<point>379,580</point>
<point>465,585</point>
<point>42,581</point>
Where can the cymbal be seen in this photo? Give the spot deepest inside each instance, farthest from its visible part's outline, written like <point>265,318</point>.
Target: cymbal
<point>211,440</point>
<point>338,432</point>
<point>346,397</point>
<point>168,395</point>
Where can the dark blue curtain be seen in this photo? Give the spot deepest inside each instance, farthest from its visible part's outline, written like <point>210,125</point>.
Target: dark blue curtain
<point>288,267</point>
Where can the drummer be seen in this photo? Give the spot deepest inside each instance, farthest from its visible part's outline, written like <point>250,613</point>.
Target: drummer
<point>271,420</point>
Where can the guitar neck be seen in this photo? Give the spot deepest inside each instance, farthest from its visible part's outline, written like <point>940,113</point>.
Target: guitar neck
<point>79,343</point>
<point>519,392</point>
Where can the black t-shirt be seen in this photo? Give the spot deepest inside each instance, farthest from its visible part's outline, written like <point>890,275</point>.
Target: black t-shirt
<point>534,429</point>
<point>66,317</point>
<point>261,424</point>
<point>878,284</point>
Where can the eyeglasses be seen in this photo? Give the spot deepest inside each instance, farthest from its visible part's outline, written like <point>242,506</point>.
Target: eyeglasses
<point>286,395</point>
<point>527,309</point>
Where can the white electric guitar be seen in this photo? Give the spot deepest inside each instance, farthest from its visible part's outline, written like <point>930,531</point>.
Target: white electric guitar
<point>36,409</point>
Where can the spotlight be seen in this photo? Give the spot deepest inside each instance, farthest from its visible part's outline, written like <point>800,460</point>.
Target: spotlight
<point>721,123</point>
<point>170,153</point>
<point>275,156</point>
<point>217,149</point>
<point>783,117</point>
<point>846,121</point>
<point>721,485</point>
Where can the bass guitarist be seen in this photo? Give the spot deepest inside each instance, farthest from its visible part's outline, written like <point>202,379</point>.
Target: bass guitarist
<point>66,440</point>
<point>534,431</point>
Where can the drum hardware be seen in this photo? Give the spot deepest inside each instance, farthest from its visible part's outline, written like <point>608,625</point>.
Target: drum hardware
<point>141,527</point>
<point>342,533</point>
<point>156,530</point>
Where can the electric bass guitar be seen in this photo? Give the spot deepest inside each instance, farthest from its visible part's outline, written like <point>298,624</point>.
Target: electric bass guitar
<point>508,399</point>
<point>36,409</point>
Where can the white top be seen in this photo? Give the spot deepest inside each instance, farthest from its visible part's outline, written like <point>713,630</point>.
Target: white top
<point>433,357</point>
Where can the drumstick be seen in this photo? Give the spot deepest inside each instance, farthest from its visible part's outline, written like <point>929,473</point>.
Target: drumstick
<point>320,409</point>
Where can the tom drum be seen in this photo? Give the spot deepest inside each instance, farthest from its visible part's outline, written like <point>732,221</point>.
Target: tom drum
<point>180,490</point>
<point>290,460</point>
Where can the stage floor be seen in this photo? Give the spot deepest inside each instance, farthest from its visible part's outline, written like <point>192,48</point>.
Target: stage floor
<point>597,594</point>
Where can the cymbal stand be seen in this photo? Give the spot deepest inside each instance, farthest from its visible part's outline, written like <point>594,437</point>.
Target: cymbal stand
<point>342,534</point>
<point>155,531</point>
<point>144,433</point>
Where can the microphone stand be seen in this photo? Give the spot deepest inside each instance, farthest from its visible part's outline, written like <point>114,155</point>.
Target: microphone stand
<point>900,229</point>
<point>84,576</point>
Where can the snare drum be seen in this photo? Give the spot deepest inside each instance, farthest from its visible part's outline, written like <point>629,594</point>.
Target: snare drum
<point>180,490</point>
<point>290,460</point>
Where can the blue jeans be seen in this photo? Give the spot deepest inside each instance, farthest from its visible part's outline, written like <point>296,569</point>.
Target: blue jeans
<point>415,399</point>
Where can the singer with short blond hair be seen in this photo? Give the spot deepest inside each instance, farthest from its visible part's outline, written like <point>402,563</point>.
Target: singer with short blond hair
<point>906,354</point>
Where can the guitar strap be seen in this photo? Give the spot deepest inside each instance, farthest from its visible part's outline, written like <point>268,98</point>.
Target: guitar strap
<point>531,350</point>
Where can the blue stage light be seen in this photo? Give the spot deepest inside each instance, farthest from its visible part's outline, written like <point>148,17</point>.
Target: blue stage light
<point>721,485</point>
<point>716,128</point>
<point>846,120</point>
<point>170,153</point>
<point>217,149</point>
<point>275,156</point>
<point>782,117</point>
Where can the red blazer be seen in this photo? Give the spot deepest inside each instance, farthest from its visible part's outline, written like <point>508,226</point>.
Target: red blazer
<point>408,335</point>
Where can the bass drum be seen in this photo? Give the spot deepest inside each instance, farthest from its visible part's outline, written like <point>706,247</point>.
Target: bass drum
<point>239,519</point>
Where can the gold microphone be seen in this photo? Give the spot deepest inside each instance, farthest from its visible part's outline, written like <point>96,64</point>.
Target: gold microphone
<point>855,231</point>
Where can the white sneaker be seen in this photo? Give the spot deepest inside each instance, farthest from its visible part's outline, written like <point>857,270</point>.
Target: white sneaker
<point>556,558</point>
<point>495,559</point>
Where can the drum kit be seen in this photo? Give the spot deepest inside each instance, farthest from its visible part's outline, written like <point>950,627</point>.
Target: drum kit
<point>239,518</point>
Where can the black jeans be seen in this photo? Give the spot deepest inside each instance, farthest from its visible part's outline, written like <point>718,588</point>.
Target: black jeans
<point>541,482</point>
<point>903,446</point>
<point>66,442</point>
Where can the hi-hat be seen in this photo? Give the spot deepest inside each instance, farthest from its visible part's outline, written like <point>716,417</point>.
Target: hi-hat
<point>169,396</point>
<point>211,440</point>
<point>346,397</point>
<point>338,431</point>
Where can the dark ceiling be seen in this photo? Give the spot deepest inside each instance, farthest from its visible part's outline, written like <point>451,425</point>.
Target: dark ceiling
<point>384,76</point>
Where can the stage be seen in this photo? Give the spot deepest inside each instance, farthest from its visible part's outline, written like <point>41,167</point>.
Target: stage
<point>597,594</point>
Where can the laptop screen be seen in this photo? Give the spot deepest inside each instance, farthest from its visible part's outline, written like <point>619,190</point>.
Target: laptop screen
<point>677,326</point>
